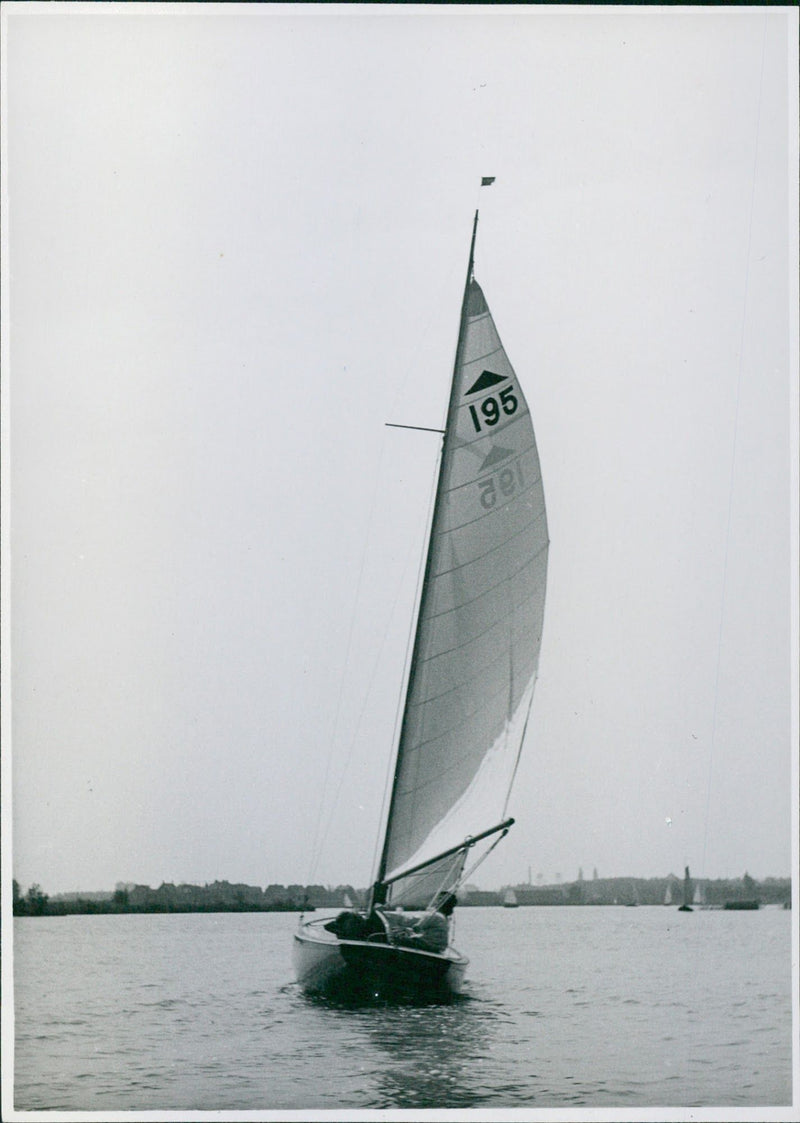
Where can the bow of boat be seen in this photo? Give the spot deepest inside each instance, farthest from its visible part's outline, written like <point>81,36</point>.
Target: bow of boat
<point>324,963</point>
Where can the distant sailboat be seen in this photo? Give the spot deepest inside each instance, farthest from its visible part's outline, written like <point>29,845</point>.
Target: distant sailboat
<point>510,900</point>
<point>668,894</point>
<point>687,892</point>
<point>699,897</point>
<point>469,690</point>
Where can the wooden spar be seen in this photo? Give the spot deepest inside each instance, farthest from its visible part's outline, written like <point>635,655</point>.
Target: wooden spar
<point>421,428</point>
<point>465,845</point>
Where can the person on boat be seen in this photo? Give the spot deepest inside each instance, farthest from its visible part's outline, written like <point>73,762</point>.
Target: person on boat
<point>432,931</point>
<point>448,904</point>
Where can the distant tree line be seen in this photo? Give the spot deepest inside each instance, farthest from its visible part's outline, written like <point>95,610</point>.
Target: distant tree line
<point>224,896</point>
<point>34,903</point>
<point>220,896</point>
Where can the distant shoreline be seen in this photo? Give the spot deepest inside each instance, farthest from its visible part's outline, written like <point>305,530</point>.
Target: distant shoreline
<point>82,907</point>
<point>224,897</point>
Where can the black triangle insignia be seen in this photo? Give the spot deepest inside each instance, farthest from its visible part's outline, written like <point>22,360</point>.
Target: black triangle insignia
<point>496,454</point>
<point>485,380</point>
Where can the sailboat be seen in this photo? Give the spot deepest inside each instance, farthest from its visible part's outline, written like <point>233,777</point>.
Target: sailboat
<point>687,892</point>
<point>468,691</point>
<point>510,900</point>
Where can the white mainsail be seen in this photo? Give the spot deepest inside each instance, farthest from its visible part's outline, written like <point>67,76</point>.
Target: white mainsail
<point>481,612</point>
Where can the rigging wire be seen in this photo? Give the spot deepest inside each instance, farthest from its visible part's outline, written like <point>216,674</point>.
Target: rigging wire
<point>318,840</point>
<point>392,762</point>
<point>392,759</point>
<point>733,451</point>
<point>320,835</point>
<point>367,693</point>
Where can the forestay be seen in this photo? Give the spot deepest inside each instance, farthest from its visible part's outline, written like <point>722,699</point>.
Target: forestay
<point>481,610</point>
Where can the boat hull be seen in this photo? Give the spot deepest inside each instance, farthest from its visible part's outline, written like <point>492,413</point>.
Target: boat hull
<point>324,964</point>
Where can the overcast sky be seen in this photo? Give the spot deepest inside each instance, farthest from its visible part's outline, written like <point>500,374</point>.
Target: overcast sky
<point>236,240</point>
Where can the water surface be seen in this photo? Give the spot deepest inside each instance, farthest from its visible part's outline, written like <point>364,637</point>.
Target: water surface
<point>564,1007</point>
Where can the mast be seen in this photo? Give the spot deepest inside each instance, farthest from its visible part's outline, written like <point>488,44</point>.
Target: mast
<point>379,888</point>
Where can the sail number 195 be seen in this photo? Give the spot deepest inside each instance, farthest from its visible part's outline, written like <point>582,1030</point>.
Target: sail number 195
<point>491,407</point>
<point>508,480</point>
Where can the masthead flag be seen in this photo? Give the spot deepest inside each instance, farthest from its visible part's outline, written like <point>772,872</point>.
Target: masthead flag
<point>487,180</point>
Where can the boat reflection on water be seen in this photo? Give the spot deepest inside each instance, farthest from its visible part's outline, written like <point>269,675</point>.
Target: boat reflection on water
<point>433,1055</point>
